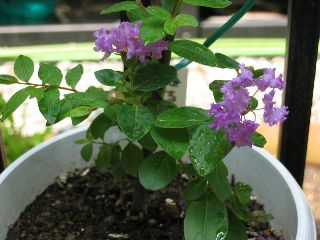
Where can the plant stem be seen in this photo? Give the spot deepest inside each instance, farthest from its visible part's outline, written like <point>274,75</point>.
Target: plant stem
<point>142,7</point>
<point>176,8</point>
<point>46,86</point>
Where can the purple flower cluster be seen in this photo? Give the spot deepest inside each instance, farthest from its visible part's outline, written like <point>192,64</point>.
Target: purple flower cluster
<point>125,38</point>
<point>229,114</point>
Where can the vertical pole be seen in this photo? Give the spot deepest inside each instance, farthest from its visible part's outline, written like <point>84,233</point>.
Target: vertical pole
<point>2,153</point>
<point>301,57</point>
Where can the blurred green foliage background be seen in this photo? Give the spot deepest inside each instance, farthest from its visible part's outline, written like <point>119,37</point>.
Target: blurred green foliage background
<point>15,142</point>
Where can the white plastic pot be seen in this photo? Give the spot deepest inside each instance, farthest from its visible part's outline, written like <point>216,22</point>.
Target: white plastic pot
<point>30,175</point>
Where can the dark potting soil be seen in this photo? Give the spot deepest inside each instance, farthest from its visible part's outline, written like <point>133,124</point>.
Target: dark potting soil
<point>86,205</point>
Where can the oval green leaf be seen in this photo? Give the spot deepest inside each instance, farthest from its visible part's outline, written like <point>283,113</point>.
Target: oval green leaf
<point>159,12</point>
<point>15,101</point>
<point>174,141</point>
<point>157,171</point>
<point>50,74</point>
<point>206,219</point>
<point>135,121</point>
<point>74,75</point>
<point>154,76</point>
<point>7,79</point>
<point>181,117</point>
<point>103,160</point>
<point>131,159</point>
<point>193,51</point>
<point>49,104</point>
<point>207,148</point>
<point>185,20</point>
<point>108,77</point>
<point>195,189</point>
<point>152,29</point>
<point>23,68</point>
<point>219,182</point>
<point>86,152</point>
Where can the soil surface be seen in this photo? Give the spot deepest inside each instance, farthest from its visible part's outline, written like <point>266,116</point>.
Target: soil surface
<point>86,205</point>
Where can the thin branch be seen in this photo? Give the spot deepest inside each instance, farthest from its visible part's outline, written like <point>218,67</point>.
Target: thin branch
<point>46,86</point>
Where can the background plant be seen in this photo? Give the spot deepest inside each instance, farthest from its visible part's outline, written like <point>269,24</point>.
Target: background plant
<point>16,143</point>
<point>157,134</point>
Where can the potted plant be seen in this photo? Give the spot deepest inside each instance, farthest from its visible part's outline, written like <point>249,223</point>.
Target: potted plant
<point>140,134</point>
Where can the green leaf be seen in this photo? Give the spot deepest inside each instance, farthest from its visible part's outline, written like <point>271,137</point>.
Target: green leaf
<point>170,27</point>
<point>193,51</point>
<point>23,68</point>
<point>258,73</point>
<point>153,76</point>
<point>74,75</point>
<point>195,189</point>
<point>167,4</point>
<point>209,3</point>
<point>136,15</point>
<point>112,111</point>
<point>237,229</point>
<point>115,155</point>
<point>7,79</point>
<point>135,121</point>
<point>174,141</point>
<point>185,20</point>
<point>207,148</point>
<point>253,103</point>
<point>49,105</point>
<point>242,211</point>
<point>100,125</point>
<point>243,192</point>
<point>79,112</point>
<point>108,77</point>
<point>148,143</point>
<point>50,74</point>
<point>218,179</point>
<point>152,29</point>
<point>37,93</point>
<point>77,120</point>
<point>159,12</point>
<point>15,101</point>
<point>131,159</point>
<point>86,152</point>
<point>121,6</point>
<point>158,106</point>
<point>181,117</point>
<point>215,87</point>
<point>157,171</point>
<point>94,98</point>
<point>224,61</point>
<point>206,219</point>
<point>258,140</point>
<point>103,160</point>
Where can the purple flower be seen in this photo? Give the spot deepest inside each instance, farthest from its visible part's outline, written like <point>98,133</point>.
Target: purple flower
<point>242,132</point>
<point>228,114</point>
<point>268,79</point>
<point>125,38</point>
<point>236,100</point>
<point>273,115</point>
<point>246,75</point>
<point>222,118</point>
